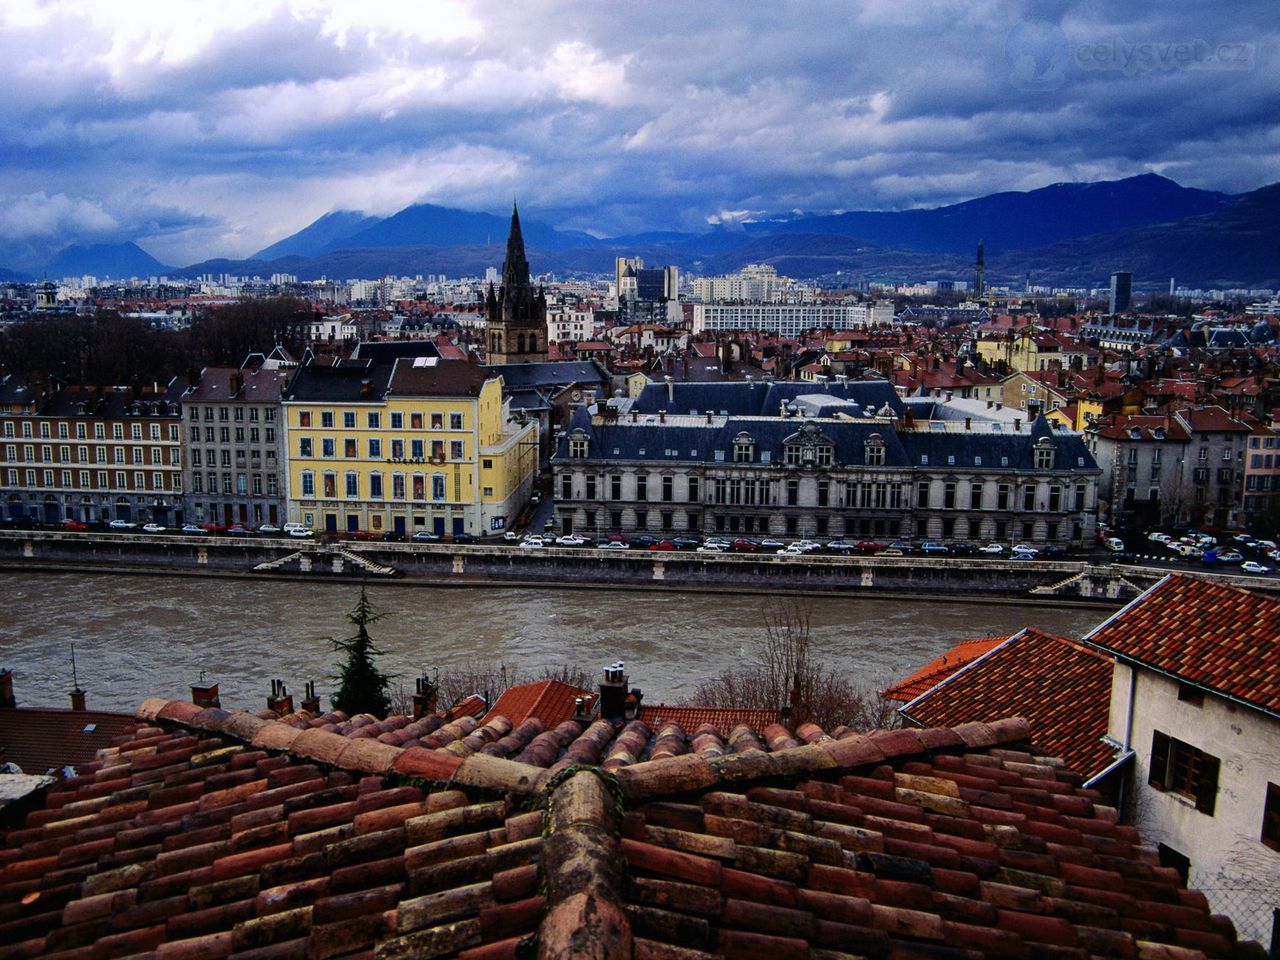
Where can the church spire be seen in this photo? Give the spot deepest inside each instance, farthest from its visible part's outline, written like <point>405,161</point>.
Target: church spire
<point>515,269</point>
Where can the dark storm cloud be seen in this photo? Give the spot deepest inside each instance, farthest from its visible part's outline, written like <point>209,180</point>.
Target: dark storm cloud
<point>218,131</point>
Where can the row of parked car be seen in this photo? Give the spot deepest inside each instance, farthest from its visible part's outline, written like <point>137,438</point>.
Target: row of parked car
<point>1198,546</point>
<point>717,544</point>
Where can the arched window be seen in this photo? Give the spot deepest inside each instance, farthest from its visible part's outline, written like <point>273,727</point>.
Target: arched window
<point>533,343</point>
<point>520,343</point>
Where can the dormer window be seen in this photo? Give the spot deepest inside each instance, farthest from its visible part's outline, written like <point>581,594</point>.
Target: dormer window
<point>1043,453</point>
<point>1135,434</point>
<point>578,445</point>
<point>744,447</point>
<point>874,450</point>
<point>1158,433</point>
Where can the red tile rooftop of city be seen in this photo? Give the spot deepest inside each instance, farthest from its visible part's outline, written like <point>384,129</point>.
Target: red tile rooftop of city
<point>1207,634</point>
<point>1062,687</point>
<point>207,834</point>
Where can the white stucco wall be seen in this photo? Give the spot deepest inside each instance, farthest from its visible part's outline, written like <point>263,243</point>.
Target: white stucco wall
<point>1229,863</point>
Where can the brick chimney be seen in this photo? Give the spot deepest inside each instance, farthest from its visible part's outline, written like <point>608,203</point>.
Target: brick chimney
<point>425,696</point>
<point>311,702</point>
<point>613,692</point>
<point>7,701</point>
<point>78,700</point>
<point>280,702</point>
<point>205,694</point>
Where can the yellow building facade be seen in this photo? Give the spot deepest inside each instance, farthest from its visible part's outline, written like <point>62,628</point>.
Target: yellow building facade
<point>419,445</point>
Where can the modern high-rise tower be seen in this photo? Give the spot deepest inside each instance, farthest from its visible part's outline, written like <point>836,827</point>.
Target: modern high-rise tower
<point>1121,288</point>
<point>516,314</point>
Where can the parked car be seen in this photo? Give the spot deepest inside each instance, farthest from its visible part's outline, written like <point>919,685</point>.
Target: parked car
<point>465,538</point>
<point>1054,550</point>
<point>642,540</point>
<point>933,547</point>
<point>962,549</point>
<point>808,545</point>
<point>301,532</point>
<point>425,536</point>
<point>212,527</point>
<point>870,546</point>
<point>532,543</point>
<point>992,548</point>
<point>571,540</point>
<point>792,551</point>
<point>710,547</point>
<point>193,528</point>
<point>122,525</point>
<point>686,543</point>
<point>240,530</point>
<point>1253,566</point>
<point>154,528</point>
<point>1114,544</point>
<point>770,543</point>
<point>890,552</point>
<point>360,535</point>
<point>743,545</point>
<point>662,545</point>
<point>392,536</point>
<point>611,545</point>
<point>1230,556</point>
<point>719,542</point>
<point>1243,538</point>
<point>268,528</point>
<point>75,525</point>
<point>1158,537</point>
<point>906,548</point>
<point>841,546</point>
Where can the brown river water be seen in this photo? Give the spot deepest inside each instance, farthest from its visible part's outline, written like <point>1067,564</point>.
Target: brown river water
<point>140,636</point>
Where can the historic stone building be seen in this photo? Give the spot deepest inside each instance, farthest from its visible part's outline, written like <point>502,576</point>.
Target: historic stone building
<point>90,453</point>
<point>846,460</point>
<point>516,314</point>
<point>233,441</point>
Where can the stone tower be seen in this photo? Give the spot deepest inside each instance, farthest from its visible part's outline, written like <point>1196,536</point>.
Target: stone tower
<point>516,314</point>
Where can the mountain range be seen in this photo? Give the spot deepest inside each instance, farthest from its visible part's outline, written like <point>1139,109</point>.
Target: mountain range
<point>1064,234</point>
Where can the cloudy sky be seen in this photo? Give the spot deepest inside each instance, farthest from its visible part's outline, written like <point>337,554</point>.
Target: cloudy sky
<point>206,129</point>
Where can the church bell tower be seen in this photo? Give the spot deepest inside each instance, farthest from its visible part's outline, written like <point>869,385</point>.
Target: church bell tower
<point>516,313</point>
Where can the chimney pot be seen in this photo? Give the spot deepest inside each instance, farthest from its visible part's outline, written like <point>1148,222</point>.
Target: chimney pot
<point>968,423</point>
<point>6,690</point>
<point>311,702</point>
<point>205,694</point>
<point>1017,424</point>
<point>613,693</point>
<point>77,700</point>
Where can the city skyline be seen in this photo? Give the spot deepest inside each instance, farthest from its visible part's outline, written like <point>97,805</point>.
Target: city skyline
<point>215,131</point>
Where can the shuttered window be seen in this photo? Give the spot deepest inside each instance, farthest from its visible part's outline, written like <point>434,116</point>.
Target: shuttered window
<point>1178,767</point>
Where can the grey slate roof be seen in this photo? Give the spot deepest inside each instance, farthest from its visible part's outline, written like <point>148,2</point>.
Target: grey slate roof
<point>760,397</point>
<point>681,439</point>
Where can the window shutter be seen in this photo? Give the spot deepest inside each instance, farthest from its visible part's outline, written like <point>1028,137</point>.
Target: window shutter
<point>1207,789</point>
<point>1157,776</point>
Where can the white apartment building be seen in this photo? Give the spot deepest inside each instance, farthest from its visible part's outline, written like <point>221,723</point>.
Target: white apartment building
<point>789,319</point>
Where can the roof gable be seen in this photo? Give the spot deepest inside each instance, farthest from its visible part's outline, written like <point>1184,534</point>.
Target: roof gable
<point>1221,638</point>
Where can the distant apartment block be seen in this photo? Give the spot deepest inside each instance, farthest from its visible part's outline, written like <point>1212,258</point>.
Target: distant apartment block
<point>789,319</point>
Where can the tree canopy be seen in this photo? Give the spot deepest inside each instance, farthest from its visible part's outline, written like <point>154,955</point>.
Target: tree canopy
<point>362,687</point>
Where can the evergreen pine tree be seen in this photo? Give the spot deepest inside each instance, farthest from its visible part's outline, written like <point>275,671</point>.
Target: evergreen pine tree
<point>362,688</point>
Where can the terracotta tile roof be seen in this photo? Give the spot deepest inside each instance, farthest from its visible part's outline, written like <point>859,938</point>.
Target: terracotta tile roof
<point>941,667</point>
<point>1217,637</point>
<point>42,739</point>
<point>721,719</point>
<point>1062,687</point>
<point>211,835</point>
<point>551,701</point>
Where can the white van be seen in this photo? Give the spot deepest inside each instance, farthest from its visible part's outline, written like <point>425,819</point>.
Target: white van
<point>1113,543</point>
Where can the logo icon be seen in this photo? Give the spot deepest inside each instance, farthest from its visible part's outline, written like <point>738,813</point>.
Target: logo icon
<point>1037,55</point>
